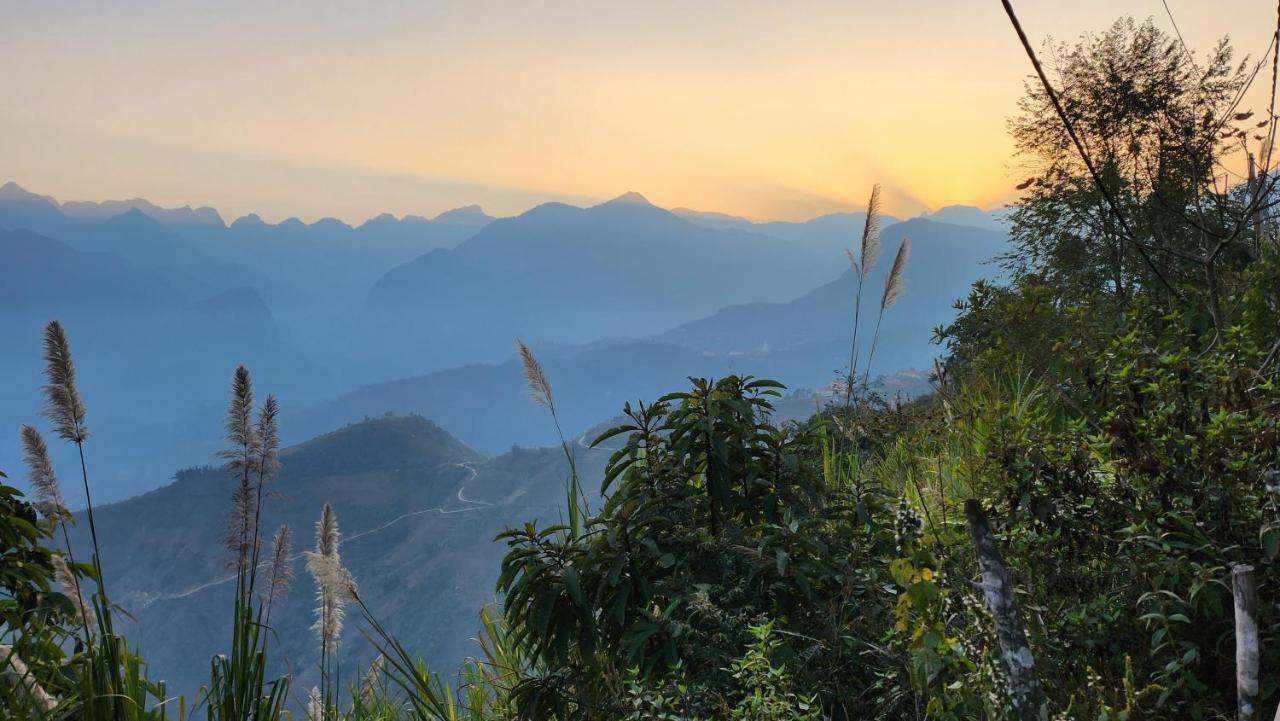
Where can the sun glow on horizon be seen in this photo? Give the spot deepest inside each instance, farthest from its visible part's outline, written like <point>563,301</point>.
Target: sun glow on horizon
<point>749,108</point>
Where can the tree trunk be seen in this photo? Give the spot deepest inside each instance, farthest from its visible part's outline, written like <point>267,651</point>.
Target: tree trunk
<point>1025,693</point>
<point>1246,597</point>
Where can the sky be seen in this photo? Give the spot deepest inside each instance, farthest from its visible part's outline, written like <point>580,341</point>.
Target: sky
<point>769,110</point>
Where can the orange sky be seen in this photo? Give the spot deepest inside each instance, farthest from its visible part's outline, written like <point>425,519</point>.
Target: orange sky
<point>763,109</point>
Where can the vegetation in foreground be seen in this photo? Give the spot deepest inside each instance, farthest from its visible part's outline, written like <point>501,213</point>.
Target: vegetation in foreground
<point>1111,413</point>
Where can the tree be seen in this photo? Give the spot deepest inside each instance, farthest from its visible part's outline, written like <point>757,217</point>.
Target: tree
<point>1135,152</point>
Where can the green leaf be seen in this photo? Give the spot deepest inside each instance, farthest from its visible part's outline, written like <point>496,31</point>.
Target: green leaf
<point>615,431</point>
<point>1271,543</point>
<point>901,570</point>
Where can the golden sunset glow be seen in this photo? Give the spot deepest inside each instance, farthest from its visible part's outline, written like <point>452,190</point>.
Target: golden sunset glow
<point>764,109</point>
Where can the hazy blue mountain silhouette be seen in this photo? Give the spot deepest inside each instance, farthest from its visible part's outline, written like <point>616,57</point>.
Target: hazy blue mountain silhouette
<point>20,209</point>
<point>945,260</point>
<point>185,217</point>
<point>152,346</point>
<point>565,274</point>
<point>803,342</point>
<point>290,262</point>
<point>825,237</point>
<point>420,315</point>
<point>134,234</point>
<point>43,273</point>
<point>994,220</point>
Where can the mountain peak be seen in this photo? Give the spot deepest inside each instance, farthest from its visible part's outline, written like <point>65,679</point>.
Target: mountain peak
<point>133,215</point>
<point>330,223</point>
<point>252,220</point>
<point>466,215</point>
<point>13,191</point>
<point>630,197</point>
<point>391,440</point>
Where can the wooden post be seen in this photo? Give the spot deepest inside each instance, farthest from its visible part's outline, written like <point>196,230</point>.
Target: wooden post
<point>1245,591</point>
<point>1025,693</point>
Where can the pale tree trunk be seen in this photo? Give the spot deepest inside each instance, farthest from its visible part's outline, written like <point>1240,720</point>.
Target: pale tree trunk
<point>1025,693</point>
<point>1245,592</point>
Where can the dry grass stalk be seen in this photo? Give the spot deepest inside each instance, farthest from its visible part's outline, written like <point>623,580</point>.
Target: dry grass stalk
<point>239,520</point>
<point>315,705</point>
<point>268,438</point>
<point>369,683</point>
<point>40,473</point>
<point>334,586</point>
<point>63,405</point>
<point>280,568</point>
<point>869,251</point>
<point>868,254</point>
<point>539,386</point>
<point>332,577</point>
<point>239,423</point>
<point>71,589</point>
<point>895,284</point>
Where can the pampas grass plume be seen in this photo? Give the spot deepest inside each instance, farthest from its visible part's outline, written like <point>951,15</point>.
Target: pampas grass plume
<point>539,386</point>
<point>63,406</point>
<point>41,475</point>
<point>895,284</point>
<point>71,589</point>
<point>280,570</point>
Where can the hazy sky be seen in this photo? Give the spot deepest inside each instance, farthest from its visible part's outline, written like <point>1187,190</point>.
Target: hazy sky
<point>764,109</point>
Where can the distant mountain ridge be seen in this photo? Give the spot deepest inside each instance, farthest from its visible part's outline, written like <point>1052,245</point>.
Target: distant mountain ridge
<point>198,242</point>
<point>420,315</point>
<point>945,260</point>
<point>562,274</point>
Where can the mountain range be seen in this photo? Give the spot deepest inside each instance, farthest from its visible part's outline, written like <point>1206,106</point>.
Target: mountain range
<point>415,315</point>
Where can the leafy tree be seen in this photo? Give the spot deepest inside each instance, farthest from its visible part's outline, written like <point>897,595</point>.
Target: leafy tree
<point>1140,204</point>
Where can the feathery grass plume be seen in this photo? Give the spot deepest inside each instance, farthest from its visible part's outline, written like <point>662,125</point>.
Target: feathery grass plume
<point>41,475</point>
<point>239,520</point>
<point>71,589</point>
<point>895,283</point>
<point>332,577</point>
<point>369,683</point>
<point>239,423</point>
<point>868,254</point>
<point>327,534</point>
<point>268,438</point>
<point>869,251</point>
<point>323,563</point>
<point>241,455</point>
<point>539,386</point>
<point>10,661</point>
<point>315,705</point>
<point>63,406</point>
<point>280,568</point>
<point>540,392</point>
